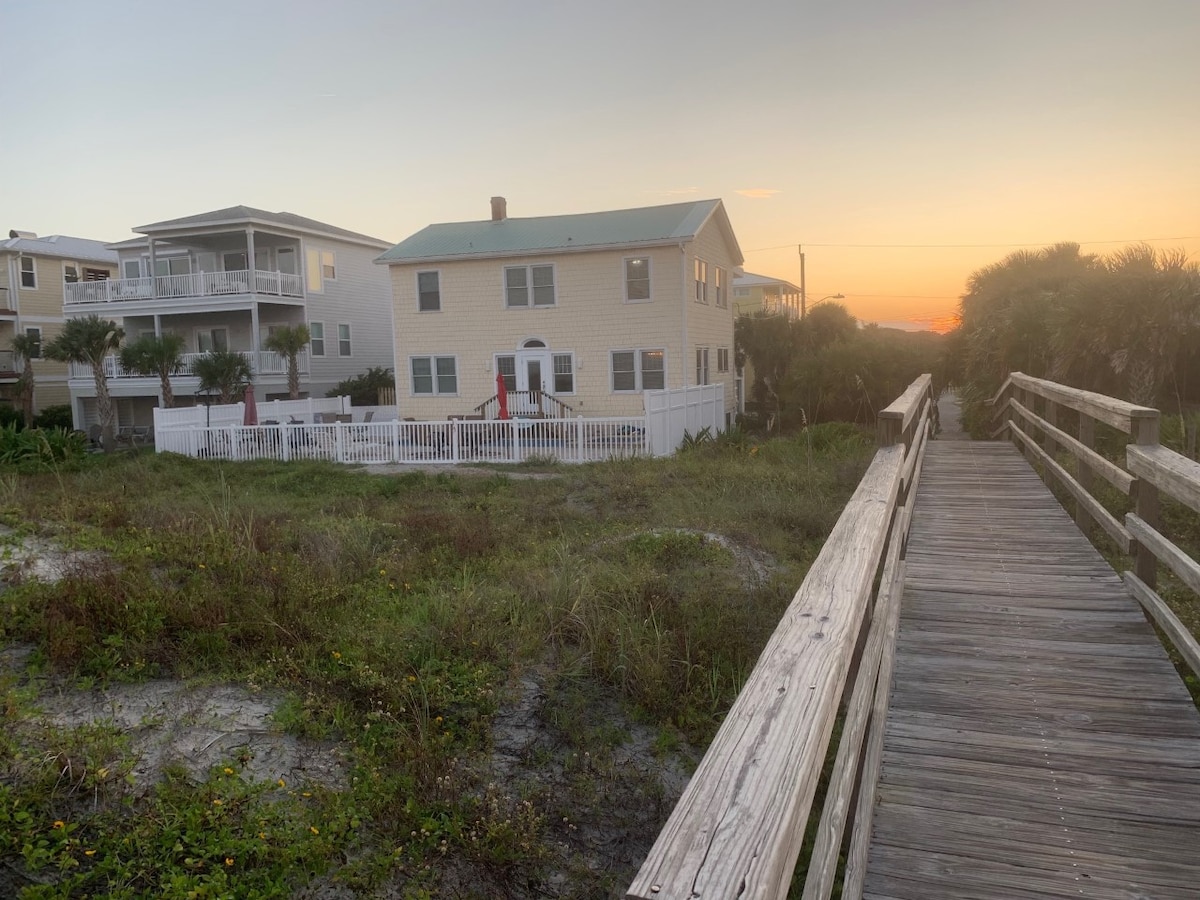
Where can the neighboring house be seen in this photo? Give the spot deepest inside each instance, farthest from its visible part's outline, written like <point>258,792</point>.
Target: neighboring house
<point>35,274</point>
<point>589,309</point>
<point>761,293</point>
<point>224,280</point>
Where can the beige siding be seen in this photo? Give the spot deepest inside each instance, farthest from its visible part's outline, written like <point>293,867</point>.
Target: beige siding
<point>590,320</point>
<point>42,307</point>
<point>710,325</point>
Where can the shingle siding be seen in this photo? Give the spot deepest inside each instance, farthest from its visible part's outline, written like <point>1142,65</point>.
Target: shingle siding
<point>590,319</point>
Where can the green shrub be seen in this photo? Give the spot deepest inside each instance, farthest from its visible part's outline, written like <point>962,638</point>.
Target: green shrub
<point>38,446</point>
<point>363,390</point>
<point>55,417</point>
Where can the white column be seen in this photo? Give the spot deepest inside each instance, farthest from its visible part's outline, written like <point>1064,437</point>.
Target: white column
<point>254,337</point>
<point>250,257</point>
<point>153,271</point>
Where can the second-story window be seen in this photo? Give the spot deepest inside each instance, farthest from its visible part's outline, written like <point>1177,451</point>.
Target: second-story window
<point>429,292</point>
<point>321,267</point>
<point>701,365</point>
<point>28,273</point>
<point>637,279</point>
<point>343,339</point>
<point>523,282</point>
<point>719,286</point>
<point>131,268</point>
<point>70,273</point>
<point>316,338</point>
<point>701,281</point>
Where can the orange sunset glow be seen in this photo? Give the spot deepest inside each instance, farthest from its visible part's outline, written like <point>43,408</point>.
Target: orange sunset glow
<point>904,145</point>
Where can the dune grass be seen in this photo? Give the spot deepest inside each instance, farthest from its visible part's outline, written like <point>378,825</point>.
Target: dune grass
<point>394,613</point>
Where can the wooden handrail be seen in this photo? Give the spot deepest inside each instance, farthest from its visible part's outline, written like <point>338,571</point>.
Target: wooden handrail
<point>738,828</point>
<point>897,418</point>
<point>1117,413</point>
<point>490,408</point>
<point>1150,468</point>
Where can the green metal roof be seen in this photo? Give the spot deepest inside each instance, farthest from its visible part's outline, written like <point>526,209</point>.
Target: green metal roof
<point>617,228</point>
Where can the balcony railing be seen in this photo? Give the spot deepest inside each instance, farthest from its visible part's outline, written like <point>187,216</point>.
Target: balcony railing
<point>264,362</point>
<point>198,284</point>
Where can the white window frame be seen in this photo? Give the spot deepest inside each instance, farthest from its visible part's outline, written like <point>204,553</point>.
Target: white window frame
<point>438,273</point>
<point>349,339</point>
<point>69,264</point>
<point>703,372</point>
<point>137,263</point>
<point>29,330</point>
<point>700,275</point>
<point>649,280</point>
<point>22,272</point>
<point>720,293</point>
<point>722,360</point>
<point>555,356</point>
<point>529,267</point>
<point>313,338</point>
<point>315,256</point>
<point>433,374</point>
<point>210,334</point>
<point>638,369</point>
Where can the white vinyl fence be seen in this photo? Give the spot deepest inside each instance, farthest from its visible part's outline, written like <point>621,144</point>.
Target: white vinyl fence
<point>672,413</point>
<point>218,433</point>
<point>455,441</point>
<point>235,413</point>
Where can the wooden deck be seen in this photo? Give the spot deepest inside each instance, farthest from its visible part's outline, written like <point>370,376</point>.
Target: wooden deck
<point>1039,743</point>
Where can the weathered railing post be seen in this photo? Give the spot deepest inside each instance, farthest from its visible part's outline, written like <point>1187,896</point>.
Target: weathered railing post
<point>1087,437</point>
<point>1145,499</point>
<point>1050,414</point>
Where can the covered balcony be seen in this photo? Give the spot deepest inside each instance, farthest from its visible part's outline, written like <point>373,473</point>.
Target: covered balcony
<point>262,362</point>
<point>196,284</point>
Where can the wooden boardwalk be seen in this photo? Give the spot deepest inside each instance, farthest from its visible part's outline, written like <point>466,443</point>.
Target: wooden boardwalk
<point>1039,743</point>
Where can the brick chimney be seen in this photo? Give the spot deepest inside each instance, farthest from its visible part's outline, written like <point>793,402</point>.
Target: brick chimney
<point>499,209</point>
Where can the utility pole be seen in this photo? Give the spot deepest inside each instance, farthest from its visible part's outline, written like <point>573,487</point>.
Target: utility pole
<point>803,296</point>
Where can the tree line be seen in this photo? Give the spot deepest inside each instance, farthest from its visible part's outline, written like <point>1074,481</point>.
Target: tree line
<point>827,366</point>
<point>1126,324</point>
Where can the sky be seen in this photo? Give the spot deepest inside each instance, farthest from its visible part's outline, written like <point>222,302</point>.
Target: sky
<point>903,143</point>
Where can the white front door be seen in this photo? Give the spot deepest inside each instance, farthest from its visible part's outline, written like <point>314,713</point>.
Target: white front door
<point>534,373</point>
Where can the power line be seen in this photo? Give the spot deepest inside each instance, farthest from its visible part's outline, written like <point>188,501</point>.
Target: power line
<point>1191,237</point>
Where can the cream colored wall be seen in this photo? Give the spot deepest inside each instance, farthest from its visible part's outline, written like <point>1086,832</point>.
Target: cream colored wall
<point>591,319</point>
<point>710,325</point>
<point>42,307</point>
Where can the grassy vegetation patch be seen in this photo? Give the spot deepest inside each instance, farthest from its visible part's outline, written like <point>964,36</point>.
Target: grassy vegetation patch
<point>515,671</point>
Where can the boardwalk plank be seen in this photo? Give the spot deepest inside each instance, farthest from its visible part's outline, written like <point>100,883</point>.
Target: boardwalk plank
<point>1039,742</point>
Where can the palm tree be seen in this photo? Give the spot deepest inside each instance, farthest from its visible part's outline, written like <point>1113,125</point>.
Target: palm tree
<point>156,355</point>
<point>26,348</point>
<point>89,340</point>
<point>289,341</point>
<point>223,371</point>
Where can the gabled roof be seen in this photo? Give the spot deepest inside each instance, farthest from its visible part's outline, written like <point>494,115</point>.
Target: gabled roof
<point>248,215</point>
<point>749,279</point>
<point>61,246</point>
<point>614,229</point>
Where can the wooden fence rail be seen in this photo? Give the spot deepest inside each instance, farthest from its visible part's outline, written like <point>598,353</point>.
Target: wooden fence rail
<point>1150,468</point>
<point>738,828</point>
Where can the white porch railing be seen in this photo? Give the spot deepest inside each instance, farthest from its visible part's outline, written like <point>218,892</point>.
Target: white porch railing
<point>446,442</point>
<point>197,284</point>
<point>264,362</point>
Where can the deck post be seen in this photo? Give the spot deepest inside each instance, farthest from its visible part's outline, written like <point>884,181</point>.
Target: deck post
<point>1145,501</point>
<point>1050,414</point>
<point>1087,437</point>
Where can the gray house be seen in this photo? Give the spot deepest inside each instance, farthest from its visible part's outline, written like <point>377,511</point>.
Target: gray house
<point>226,280</point>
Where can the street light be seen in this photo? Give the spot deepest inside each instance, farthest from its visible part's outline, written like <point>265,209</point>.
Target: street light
<point>831,297</point>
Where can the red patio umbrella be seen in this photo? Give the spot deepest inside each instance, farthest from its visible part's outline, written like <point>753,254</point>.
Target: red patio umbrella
<point>251,415</point>
<point>501,395</point>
